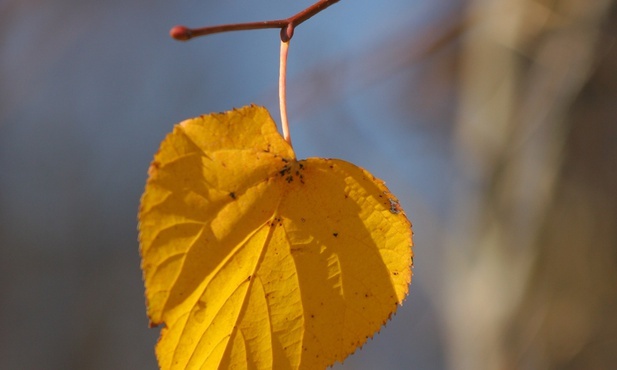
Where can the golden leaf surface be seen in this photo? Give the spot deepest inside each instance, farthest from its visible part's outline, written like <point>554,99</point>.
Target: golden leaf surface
<point>255,260</point>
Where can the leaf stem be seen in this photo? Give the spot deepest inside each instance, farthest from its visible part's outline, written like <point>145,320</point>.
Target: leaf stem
<point>283,90</point>
<point>183,33</point>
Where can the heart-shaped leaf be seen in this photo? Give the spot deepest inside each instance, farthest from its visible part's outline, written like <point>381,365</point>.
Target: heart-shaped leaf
<point>255,260</point>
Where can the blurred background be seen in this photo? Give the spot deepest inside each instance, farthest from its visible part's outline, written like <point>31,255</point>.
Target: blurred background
<point>494,122</point>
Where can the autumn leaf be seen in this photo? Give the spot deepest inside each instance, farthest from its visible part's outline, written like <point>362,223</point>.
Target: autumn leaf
<point>254,259</point>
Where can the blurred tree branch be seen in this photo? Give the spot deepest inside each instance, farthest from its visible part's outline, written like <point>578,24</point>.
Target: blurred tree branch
<point>523,70</point>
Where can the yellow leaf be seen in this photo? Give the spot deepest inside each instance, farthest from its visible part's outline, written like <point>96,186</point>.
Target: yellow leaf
<point>255,260</point>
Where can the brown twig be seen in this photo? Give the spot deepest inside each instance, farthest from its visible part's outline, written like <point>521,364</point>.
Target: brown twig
<point>287,26</point>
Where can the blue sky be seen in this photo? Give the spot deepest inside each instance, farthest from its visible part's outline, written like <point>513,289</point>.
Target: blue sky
<point>90,89</point>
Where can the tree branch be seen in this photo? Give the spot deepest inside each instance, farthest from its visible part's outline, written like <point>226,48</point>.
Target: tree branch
<point>287,26</point>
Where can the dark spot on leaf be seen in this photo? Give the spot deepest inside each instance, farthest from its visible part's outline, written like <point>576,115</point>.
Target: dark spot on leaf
<point>302,220</point>
<point>249,278</point>
<point>394,273</point>
<point>285,171</point>
<point>335,234</point>
<point>232,195</point>
<point>289,179</point>
<point>395,208</point>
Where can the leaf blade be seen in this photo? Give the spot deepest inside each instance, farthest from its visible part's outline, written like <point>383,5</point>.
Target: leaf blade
<point>254,259</point>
